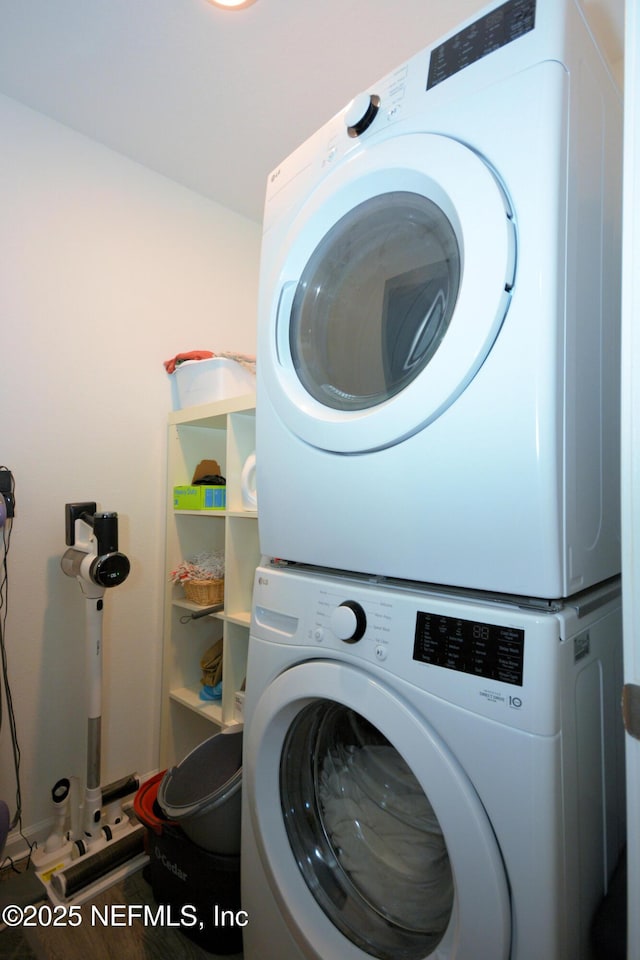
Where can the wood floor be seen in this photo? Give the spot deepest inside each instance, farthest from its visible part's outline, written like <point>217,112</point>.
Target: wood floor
<point>127,938</point>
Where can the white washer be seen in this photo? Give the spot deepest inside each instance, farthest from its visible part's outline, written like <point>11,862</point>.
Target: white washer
<point>438,342</point>
<point>449,785</point>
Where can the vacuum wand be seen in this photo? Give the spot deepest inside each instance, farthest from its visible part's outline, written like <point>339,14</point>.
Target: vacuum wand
<point>103,842</point>
<point>93,793</point>
<point>94,560</point>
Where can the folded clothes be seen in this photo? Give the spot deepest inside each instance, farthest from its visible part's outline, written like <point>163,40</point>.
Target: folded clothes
<point>170,365</point>
<point>245,360</point>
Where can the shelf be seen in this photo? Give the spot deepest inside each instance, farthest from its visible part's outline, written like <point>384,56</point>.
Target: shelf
<point>188,697</point>
<point>213,415</point>
<point>241,617</point>
<point>200,513</point>
<point>249,514</point>
<point>197,608</point>
<point>210,709</point>
<point>223,431</point>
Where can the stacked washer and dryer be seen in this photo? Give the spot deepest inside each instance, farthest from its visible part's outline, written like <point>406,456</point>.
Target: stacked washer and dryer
<point>433,752</point>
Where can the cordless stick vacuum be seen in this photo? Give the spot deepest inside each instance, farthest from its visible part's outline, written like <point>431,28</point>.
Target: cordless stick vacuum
<point>77,863</point>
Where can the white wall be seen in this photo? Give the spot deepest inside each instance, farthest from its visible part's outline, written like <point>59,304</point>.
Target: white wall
<point>106,270</point>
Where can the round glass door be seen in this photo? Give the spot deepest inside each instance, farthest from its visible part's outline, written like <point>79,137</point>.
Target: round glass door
<point>384,292</point>
<point>372,839</point>
<point>374,301</point>
<point>364,834</point>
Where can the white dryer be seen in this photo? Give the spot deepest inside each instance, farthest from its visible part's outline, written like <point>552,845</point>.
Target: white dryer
<point>438,342</point>
<point>427,775</point>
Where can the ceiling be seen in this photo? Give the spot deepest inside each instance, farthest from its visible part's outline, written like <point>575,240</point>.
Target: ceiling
<point>216,99</point>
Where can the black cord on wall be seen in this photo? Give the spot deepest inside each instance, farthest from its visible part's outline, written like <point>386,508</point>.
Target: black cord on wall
<point>7,706</point>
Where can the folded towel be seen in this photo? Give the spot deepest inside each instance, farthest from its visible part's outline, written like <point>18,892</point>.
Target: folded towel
<point>245,360</point>
<point>211,693</point>
<point>170,365</point>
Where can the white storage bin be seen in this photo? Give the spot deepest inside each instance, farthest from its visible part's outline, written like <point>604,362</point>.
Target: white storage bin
<point>203,381</point>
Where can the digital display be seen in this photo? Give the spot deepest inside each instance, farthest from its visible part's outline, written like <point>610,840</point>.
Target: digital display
<point>489,33</point>
<point>469,646</point>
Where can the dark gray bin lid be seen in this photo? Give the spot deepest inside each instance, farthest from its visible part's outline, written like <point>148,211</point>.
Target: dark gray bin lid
<point>206,778</point>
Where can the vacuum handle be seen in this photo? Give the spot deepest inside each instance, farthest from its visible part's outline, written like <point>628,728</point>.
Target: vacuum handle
<point>103,523</point>
<point>73,512</point>
<point>105,528</point>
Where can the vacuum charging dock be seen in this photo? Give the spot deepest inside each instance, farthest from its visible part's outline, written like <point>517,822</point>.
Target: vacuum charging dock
<point>75,870</point>
<point>93,843</point>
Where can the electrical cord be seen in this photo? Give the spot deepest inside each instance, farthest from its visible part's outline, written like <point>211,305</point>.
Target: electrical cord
<point>6,531</point>
<point>4,608</point>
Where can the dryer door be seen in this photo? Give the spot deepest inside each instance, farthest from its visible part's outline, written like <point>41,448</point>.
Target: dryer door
<point>387,293</point>
<point>372,836</point>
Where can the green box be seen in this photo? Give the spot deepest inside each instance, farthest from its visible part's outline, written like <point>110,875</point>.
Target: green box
<point>186,498</point>
<point>199,497</point>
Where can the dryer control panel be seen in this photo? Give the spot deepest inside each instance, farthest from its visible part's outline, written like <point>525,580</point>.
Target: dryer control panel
<point>496,29</point>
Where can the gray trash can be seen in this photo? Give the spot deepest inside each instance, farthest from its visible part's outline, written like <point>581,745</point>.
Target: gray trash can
<point>203,793</point>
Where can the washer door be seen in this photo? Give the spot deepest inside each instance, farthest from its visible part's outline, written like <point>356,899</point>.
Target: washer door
<point>372,837</point>
<point>387,293</point>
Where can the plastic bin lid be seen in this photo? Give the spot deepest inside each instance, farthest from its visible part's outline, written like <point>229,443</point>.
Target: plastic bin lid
<point>145,805</point>
<point>206,778</point>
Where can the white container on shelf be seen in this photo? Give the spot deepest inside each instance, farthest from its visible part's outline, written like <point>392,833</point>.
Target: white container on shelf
<point>205,381</point>
<point>248,483</point>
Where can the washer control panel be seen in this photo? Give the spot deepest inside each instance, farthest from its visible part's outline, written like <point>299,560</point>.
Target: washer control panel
<point>466,650</point>
<point>481,649</point>
<point>470,646</point>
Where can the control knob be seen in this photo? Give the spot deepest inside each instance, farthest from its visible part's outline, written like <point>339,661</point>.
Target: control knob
<point>361,113</point>
<point>348,621</point>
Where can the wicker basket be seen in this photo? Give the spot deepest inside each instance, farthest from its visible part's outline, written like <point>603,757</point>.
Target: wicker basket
<point>204,592</point>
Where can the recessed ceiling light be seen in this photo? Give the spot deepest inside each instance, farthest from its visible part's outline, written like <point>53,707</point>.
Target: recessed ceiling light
<point>231,4</point>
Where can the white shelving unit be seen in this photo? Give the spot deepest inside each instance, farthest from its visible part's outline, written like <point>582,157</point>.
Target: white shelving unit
<point>222,431</point>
